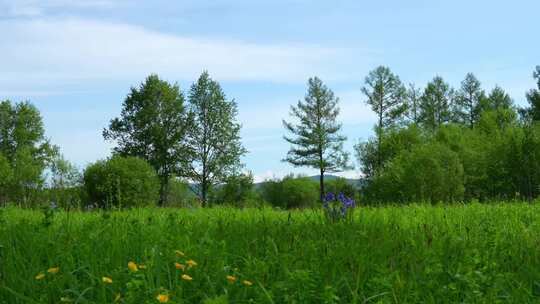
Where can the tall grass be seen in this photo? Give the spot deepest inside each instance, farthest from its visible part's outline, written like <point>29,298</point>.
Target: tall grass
<point>471,253</point>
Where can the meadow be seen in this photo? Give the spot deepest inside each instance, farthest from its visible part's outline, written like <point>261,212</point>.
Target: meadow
<point>475,253</point>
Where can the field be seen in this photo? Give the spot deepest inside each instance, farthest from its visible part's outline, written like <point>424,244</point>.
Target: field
<point>415,254</point>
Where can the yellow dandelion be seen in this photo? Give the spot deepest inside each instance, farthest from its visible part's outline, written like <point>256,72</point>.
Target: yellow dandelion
<point>231,279</point>
<point>179,266</point>
<point>185,277</point>
<point>191,263</point>
<point>142,266</point>
<point>179,253</point>
<point>106,280</point>
<point>40,276</point>
<point>247,283</point>
<point>132,266</point>
<point>53,270</point>
<point>162,298</point>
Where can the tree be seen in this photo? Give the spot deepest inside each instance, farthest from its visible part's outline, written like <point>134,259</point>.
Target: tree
<point>387,97</point>
<point>237,190</point>
<point>317,142</point>
<point>24,146</point>
<point>65,182</point>
<point>435,104</point>
<point>413,103</point>
<point>533,97</point>
<point>468,101</point>
<point>214,140</point>
<point>6,176</point>
<point>153,125</point>
<point>121,182</point>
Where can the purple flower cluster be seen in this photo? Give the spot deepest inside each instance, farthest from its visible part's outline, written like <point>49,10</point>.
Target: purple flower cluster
<point>338,207</point>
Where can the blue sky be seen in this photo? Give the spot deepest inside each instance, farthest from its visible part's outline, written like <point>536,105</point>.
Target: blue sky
<point>76,60</point>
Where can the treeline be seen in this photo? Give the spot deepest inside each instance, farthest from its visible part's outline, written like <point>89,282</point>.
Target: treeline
<point>441,144</point>
<point>175,148</point>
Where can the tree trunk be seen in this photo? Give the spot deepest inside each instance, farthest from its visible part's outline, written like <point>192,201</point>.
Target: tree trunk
<point>321,184</point>
<point>163,190</point>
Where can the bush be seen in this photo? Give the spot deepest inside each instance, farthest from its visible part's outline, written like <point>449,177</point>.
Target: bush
<point>238,190</point>
<point>340,185</point>
<point>121,182</point>
<point>180,195</point>
<point>429,173</point>
<point>6,175</point>
<point>291,192</point>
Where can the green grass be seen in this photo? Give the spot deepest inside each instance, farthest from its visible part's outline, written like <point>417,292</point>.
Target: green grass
<point>474,254</point>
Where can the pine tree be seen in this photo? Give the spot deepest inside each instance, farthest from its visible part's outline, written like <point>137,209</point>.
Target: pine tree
<point>468,100</point>
<point>533,97</point>
<point>387,97</point>
<point>435,104</point>
<point>316,141</point>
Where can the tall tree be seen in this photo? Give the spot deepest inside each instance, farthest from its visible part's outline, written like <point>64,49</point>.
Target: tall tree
<point>533,97</point>
<point>215,138</point>
<point>435,104</point>
<point>468,101</point>
<point>317,142</point>
<point>387,97</point>
<point>25,148</point>
<point>153,125</point>
<point>413,103</point>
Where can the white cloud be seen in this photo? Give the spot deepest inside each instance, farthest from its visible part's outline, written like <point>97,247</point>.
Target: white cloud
<point>32,8</point>
<point>44,50</point>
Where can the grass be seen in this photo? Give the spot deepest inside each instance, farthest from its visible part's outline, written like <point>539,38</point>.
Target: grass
<point>467,253</point>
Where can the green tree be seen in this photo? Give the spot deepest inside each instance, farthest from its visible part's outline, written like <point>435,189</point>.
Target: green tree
<point>153,125</point>
<point>121,182</point>
<point>214,139</point>
<point>435,104</point>
<point>468,101</point>
<point>413,103</point>
<point>291,192</point>
<point>237,190</point>
<point>23,144</point>
<point>317,142</point>
<point>387,97</point>
<point>533,97</point>
<point>6,177</point>
<point>65,182</point>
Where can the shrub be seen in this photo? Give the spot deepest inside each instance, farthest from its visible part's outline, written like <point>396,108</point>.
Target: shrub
<point>291,192</point>
<point>238,190</point>
<point>180,195</point>
<point>340,185</point>
<point>121,182</point>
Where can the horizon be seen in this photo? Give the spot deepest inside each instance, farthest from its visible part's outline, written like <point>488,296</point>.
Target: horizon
<point>67,58</point>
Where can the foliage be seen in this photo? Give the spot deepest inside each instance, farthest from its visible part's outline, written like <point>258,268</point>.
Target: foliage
<point>338,207</point>
<point>436,104</point>
<point>153,126</point>
<point>341,185</point>
<point>214,139</point>
<point>316,141</point>
<point>533,97</point>
<point>65,183</point>
<point>121,182</point>
<point>291,192</point>
<point>6,176</point>
<point>238,190</point>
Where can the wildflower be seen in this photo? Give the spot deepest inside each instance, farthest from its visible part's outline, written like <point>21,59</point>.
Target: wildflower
<point>132,266</point>
<point>106,280</point>
<point>191,263</point>
<point>162,298</point>
<point>53,270</point>
<point>40,276</point>
<point>179,266</point>
<point>185,277</point>
<point>142,266</point>
<point>231,279</point>
<point>247,283</point>
<point>179,253</point>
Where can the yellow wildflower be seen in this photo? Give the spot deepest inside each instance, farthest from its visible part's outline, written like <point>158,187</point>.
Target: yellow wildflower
<point>53,270</point>
<point>231,279</point>
<point>162,298</point>
<point>191,263</point>
<point>142,266</point>
<point>106,280</point>
<point>247,283</point>
<point>179,253</point>
<point>185,277</point>
<point>40,276</point>
<point>132,266</point>
<point>179,266</point>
